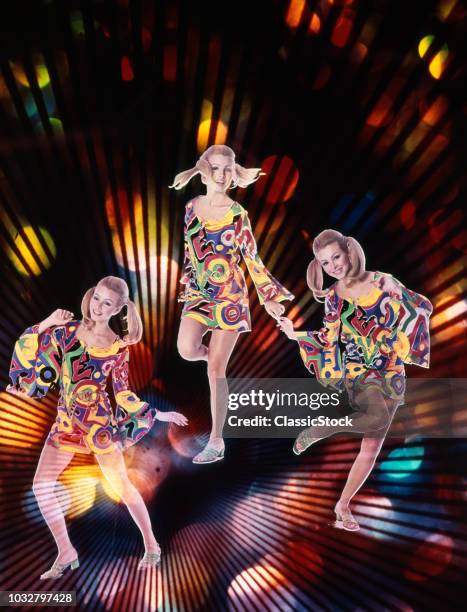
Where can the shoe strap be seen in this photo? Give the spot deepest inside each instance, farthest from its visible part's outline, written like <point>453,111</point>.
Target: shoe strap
<point>210,451</point>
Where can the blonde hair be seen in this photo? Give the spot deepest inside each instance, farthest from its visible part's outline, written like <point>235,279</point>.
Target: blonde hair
<point>241,177</point>
<point>118,286</point>
<point>314,272</point>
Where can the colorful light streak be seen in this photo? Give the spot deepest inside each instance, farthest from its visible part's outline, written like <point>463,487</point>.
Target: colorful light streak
<point>280,531</point>
<point>294,13</point>
<point>402,462</point>
<point>282,178</point>
<point>28,254</point>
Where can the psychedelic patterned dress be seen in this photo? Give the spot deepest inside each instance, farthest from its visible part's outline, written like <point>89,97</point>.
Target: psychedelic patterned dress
<point>380,333</point>
<point>85,422</point>
<point>215,292</point>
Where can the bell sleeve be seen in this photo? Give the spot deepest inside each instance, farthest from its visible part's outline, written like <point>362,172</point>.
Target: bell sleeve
<point>413,328</point>
<point>134,416</point>
<point>188,282</point>
<point>36,362</point>
<point>187,267</point>
<point>267,287</point>
<point>320,350</point>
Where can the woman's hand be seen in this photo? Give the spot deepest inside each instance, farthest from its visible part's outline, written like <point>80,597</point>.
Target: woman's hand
<point>274,308</point>
<point>286,326</point>
<point>388,284</point>
<point>58,317</point>
<point>172,417</point>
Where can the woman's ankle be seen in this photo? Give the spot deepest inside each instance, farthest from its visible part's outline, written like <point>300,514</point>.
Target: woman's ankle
<point>216,442</point>
<point>152,546</point>
<point>67,553</point>
<point>342,505</point>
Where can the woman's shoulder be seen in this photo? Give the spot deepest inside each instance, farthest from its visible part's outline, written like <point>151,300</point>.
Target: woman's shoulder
<point>123,351</point>
<point>190,209</point>
<point>193,202</point>
<point>238,210</point>
<point>332,292</point>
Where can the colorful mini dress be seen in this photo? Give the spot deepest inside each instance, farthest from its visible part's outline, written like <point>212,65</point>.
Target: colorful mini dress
<point>379,333</point>
<point>86,421</point>
<point>215,291</point>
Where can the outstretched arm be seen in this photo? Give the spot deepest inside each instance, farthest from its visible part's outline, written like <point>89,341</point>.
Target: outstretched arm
<point>320,350</point>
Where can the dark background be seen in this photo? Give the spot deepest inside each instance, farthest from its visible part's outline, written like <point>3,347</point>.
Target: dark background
<point>100,107</point>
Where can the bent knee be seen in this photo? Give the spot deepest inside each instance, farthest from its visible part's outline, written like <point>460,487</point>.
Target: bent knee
<point>379,422</point>
<point>186,350</point>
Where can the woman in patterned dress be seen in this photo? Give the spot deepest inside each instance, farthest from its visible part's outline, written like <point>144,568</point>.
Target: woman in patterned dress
<point>382,325</point>
<point>79,358</point>
<point>217,232</point>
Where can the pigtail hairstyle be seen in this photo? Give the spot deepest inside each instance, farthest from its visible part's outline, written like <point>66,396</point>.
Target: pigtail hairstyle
<point>183,178</point>
<point>135,325</point>
<point>357,261</point>
<point>241,177</point>
<point>314,279</point>
<point>204,168</point>
<point>86,308</point>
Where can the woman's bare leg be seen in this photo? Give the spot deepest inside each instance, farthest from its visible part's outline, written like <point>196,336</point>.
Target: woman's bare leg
<point>373,416</point>
<point>366,458</point>
<point>364,462</point>
<point>190,340</point>
<point>113,467</point>
<point>217,354</point>
<point>220,349</point>
<point>51,464</point>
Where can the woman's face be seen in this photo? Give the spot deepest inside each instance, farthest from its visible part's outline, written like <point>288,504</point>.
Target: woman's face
<point>104,304</point>
<point>334,260</point>
<point>221,176</point>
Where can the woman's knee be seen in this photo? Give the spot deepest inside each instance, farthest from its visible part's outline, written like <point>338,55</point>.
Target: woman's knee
<point>371,445</point>
<point>378,421</point>
<point>121,485</point>
<point>375,408</point>
<point>216,368</point>
<point>129,493</point>
<point>41,485</point>
<point>187,349</point>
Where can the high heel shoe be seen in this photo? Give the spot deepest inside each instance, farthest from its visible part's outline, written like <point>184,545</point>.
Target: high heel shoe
<point>57,569</point>
<point>150,559</point>
<point>303,441</point>
<point>341,522</point>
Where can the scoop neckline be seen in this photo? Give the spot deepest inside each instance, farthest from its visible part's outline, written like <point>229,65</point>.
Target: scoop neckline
<point>93,346</point>
<point>360,298</point>
<point>99,348</point>
<point>203,221</point>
